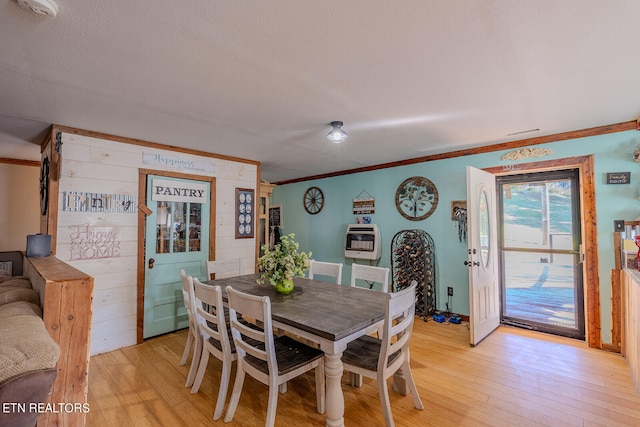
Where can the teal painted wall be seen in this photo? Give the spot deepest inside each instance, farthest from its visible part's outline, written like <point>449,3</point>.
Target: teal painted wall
<point>323,233</point>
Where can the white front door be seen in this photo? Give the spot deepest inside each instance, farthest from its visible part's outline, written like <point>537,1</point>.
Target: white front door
<point>177,236</point>
<point>484,286</point>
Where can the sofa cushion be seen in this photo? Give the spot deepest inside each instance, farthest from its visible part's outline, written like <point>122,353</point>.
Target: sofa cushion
<point>29,387</point>
<point>9,294</point>
<point>20,308</point>
<point>26,344</point>
<point>16,282</point>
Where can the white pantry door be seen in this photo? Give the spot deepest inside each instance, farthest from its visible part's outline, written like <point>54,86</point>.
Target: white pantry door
<point>484,287</point>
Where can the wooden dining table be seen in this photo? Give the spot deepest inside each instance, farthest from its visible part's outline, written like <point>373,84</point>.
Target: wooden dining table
<point>324,313</point>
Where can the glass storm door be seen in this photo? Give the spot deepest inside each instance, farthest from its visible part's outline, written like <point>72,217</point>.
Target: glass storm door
<point>177,236</point>
<point>540,252</point>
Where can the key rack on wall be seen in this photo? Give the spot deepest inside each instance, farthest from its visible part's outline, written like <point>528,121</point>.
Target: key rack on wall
<point>413,258</point>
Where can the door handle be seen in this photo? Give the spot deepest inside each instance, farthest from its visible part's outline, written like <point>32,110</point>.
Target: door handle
<point>580,253</point>
<point>472,264</point>
<point>151,262</point>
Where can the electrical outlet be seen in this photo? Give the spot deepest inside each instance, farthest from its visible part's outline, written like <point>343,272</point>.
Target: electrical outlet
<point>450,291</point>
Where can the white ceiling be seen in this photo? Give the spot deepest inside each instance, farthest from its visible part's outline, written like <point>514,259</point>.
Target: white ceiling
<point>262,79</point>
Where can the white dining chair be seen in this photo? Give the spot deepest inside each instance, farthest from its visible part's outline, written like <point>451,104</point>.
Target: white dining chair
<point>216,340</point>
<point>272,360</point>
<point>223,268</point>
<point>381,358</point>
<point>371,275</point>
<point>193,336</point>
<point>321,268</point>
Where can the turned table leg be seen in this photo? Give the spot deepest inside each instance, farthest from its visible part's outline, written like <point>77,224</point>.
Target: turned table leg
<point>335,398</point>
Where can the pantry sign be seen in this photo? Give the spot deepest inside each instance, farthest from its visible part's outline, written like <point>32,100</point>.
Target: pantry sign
<point>178,191</point>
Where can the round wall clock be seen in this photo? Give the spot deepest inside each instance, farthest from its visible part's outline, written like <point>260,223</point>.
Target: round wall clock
<point>44,186</point>
<point>416,198</point>
<point>313,200</point>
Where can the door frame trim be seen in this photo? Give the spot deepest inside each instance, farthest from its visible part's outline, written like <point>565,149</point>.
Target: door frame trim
<point>590,273</point>
<point>142,197</point>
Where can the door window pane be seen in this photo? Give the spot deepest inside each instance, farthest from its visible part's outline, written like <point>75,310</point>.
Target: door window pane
<point>163,228</point>
<point>176,231</point>
<point>484,228</point>
<point>195,226</point>
<point>540,290</point>
<point>538,214</point>
<point>179,226</point>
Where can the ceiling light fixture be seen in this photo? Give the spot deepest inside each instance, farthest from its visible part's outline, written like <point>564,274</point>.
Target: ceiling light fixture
<point>40,7</point>
<point>337,134</point>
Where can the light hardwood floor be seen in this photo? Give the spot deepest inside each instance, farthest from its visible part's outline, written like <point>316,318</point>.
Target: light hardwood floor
<point>512,378</point>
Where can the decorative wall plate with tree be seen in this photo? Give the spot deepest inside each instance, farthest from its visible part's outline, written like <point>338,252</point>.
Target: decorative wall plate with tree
<point>416,198</point>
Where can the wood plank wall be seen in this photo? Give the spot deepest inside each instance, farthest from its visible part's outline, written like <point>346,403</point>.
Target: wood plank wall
<point>100,163</point>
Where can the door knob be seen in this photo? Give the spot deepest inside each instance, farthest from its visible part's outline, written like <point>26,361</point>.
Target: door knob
<point>151,262</point>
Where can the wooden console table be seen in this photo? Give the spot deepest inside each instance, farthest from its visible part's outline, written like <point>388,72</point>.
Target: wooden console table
<point>66,299</point>
<point>630,290</point>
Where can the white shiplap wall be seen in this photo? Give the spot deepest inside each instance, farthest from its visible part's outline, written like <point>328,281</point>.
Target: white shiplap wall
<point>104,166</point>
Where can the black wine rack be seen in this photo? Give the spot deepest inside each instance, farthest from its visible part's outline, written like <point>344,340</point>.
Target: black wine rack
<point>413,258</point>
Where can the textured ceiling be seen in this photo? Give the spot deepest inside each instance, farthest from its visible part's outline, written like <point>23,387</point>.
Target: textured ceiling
<point>262,80</point>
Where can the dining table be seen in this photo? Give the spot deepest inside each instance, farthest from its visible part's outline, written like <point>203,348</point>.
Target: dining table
<point>324,313</point>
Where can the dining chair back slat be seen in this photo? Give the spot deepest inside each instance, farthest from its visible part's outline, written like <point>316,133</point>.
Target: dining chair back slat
<point>370,274</point>
<point>321,268</point>
<point>223,268</point>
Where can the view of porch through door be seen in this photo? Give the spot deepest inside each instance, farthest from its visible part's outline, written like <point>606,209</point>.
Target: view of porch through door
<point>540,252</point>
